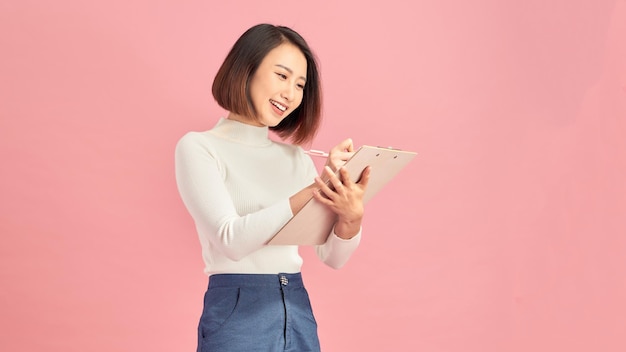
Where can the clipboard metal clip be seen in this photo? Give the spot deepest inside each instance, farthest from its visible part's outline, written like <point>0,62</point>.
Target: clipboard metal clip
<point>390,148</point>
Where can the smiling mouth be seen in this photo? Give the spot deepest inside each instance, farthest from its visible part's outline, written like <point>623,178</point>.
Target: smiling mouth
<point>278,105</point>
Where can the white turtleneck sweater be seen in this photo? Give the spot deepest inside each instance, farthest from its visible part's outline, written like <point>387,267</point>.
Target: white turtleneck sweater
<point>236,183</point>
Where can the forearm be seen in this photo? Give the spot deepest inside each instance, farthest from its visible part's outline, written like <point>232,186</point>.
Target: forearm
<point>298,200</point>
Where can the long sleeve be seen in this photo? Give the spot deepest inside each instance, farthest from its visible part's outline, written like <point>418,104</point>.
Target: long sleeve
<point>336,251</point>
<point>207,199</point>
<point>236,184</point>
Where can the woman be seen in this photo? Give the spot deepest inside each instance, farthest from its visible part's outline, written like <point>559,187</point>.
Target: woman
<point>240,187</point>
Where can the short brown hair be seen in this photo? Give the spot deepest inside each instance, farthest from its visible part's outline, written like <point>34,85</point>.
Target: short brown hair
<point>231,83</point>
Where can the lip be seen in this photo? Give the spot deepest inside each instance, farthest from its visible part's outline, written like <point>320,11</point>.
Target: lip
<point>278,110</point>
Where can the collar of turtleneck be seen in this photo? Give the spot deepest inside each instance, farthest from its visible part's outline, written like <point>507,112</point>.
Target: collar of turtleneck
<point>241,132</point>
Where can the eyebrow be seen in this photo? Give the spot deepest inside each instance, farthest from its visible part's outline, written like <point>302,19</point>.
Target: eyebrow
<point>289,70</point>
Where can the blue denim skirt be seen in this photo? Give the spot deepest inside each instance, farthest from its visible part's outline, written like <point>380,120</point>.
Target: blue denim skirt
<point>257,312</point>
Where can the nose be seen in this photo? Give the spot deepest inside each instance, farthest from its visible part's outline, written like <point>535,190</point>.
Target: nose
<point>288,93</point>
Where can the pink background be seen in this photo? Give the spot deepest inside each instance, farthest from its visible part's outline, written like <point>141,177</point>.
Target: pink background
<point>506,233</point>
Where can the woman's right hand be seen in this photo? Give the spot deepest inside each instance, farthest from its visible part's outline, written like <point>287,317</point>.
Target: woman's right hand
<point>338,156</point>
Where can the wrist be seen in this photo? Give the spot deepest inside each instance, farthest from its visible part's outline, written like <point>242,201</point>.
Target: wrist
<point>346,229</point>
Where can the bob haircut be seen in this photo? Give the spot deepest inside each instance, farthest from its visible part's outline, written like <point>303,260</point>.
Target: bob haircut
<point>231,84</point>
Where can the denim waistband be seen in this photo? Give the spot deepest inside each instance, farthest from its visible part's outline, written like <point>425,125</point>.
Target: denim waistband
<point>256,280</point>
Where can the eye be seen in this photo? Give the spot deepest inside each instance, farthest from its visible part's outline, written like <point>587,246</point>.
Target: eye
<point>281,75</point>
<point>301,86</point>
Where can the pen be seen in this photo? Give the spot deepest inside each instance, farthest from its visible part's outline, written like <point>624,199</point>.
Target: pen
<point>314,152</point>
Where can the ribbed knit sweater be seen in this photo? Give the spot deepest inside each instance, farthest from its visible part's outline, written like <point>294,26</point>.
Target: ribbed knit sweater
<point>236,183</point>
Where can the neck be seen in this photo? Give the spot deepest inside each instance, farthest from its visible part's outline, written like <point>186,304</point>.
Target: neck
<point>244,119</point>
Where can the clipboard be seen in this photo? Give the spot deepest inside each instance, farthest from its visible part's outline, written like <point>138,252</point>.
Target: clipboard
<point>313,223</point>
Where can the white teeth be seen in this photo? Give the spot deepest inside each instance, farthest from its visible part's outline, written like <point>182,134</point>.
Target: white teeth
<point>279,106</point>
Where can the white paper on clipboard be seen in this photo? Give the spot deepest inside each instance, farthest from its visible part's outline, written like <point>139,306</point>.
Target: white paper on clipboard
<point>312,224</point>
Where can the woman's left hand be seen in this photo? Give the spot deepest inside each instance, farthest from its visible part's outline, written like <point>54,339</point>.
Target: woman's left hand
<point>345,198</point>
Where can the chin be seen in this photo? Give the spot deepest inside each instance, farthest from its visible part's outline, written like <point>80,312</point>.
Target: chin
<point>274,121</point>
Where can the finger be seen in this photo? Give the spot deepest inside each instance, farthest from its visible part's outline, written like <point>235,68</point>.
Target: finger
<point>340,158</point>
<point>345,145</point>
<point>346,155</point>
<point>335,181</point>
<point>324,188</point>
<point>322,198</point>
<point>345,177</point>
<point>350,145</point>
<point>337,158</point>
<point>365,177</point>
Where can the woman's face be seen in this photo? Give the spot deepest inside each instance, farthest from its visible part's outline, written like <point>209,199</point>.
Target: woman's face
<point>277,86</point>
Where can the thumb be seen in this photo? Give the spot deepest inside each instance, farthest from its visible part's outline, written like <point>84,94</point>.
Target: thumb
<point>347,145</point>
<point>365,176</point>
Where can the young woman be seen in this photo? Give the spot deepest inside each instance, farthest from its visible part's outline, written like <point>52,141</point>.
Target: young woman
<point>241,187</point>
